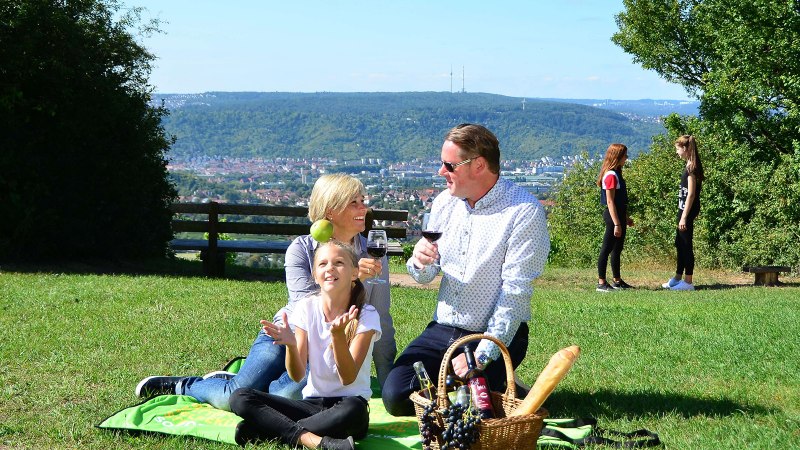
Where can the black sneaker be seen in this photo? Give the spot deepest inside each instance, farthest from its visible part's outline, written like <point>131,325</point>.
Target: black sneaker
<point>621,284</point>
<point>604,287</point>
<point>157,385</point>
<point>328,443</point>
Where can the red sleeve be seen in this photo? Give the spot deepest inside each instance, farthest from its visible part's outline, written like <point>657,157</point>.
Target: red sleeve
<point>610,181</point>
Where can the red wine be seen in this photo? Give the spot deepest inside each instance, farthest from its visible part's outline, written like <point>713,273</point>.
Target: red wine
<point>476,379</point>
<point>432,235</point>
<point>376,252</point>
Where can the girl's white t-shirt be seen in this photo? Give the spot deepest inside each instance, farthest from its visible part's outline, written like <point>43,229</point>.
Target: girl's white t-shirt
<point>323,380</point>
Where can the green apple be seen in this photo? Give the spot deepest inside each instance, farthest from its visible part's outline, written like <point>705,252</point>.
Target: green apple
<point>322,230</point>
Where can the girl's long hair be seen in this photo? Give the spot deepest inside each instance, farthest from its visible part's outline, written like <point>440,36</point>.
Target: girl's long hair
<point>693,164</point>
<point>615,154</point>
<point>358,293</point>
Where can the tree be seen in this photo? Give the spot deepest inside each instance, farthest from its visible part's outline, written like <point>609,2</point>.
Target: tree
<point>82,167</point>
<point>740,58</point>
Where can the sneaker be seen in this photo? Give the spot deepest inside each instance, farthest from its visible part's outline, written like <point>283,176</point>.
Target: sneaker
<point>670,283</point>
<point>621,284</point>
<point>224,374</point>
<point>682,286</point>
<point>604,287</point>
<point>328,443</point>
<point>157,385</point>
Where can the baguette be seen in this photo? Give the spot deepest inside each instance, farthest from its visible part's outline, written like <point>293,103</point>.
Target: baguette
<point>553,373</point>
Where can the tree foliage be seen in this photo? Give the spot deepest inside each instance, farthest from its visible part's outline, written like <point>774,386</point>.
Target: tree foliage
<point>739,57</point>
<point>82,167</point>
<point>575,221</point>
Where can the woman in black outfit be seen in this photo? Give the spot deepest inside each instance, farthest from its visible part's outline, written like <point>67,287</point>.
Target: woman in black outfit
<point>614,196</point>
<point>688,209</point>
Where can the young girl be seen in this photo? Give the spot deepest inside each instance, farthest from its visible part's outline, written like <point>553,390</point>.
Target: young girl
<point>334,332</point>
<point>688,209</point>
<point>614,196</point>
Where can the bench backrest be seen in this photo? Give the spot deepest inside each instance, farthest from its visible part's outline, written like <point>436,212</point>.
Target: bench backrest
<point>214,226</point>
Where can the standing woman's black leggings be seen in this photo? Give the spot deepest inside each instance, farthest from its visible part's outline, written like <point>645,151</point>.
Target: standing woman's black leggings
<point>683,243</point>
<point>612,245</point>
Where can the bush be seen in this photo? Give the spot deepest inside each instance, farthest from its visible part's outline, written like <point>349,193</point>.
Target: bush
<point>82,171</point>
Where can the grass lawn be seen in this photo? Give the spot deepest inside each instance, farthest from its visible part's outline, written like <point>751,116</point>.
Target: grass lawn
<point>715,368</point>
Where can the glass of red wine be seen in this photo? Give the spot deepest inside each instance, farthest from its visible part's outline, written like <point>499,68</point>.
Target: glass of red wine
<point>430,233</point>
<point>377,244</point>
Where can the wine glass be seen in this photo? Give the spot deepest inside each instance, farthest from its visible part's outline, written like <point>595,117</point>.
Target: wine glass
<point>377,244</point>
<point>430,233</point>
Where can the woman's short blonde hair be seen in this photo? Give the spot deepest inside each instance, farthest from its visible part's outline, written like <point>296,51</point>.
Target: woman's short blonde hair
<point>332,193</point>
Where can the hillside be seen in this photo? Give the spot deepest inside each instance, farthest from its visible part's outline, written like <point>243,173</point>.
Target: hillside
<point>392,126</point>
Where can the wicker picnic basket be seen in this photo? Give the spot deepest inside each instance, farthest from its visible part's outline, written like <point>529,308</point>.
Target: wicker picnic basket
<point>502,432</point>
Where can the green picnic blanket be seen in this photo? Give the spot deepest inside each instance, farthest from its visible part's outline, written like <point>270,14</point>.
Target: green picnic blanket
<point>183,415</point>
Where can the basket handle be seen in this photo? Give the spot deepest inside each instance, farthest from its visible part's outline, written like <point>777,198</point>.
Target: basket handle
<point>441,390</point>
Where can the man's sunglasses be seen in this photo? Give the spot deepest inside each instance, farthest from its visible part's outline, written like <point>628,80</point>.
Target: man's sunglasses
<point>450,167</point>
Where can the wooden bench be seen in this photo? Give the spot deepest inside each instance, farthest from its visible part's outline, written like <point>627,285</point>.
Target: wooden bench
<point>766,275</point>
<point>213,249</point>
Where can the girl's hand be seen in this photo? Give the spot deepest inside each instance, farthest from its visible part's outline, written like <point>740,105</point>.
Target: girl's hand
<point>368,268</point>
<point>617,230</point>
<point>340,322</point>
<point>282,334</point>
<point>682,224</point>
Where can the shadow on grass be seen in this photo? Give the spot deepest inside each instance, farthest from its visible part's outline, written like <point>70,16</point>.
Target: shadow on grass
<point>631,405</point>
<point>167,267</point>
<point>721,286</point>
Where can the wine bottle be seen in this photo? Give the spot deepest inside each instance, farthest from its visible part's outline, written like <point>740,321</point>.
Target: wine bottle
<point>479,386</point>
<point>428,390</point>
<point>451,383</point>
<point>463,395</point>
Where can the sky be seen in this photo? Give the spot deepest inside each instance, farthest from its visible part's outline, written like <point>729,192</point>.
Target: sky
<point>518,48</point>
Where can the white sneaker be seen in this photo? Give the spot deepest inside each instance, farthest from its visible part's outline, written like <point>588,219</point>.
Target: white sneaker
<point>670,283</point>
<point>682,286</point>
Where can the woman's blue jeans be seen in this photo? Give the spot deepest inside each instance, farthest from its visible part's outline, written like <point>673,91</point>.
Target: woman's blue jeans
<point>264,369</point>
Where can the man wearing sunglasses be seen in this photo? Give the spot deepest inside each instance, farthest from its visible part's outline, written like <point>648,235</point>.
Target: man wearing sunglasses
<point>494,243</point>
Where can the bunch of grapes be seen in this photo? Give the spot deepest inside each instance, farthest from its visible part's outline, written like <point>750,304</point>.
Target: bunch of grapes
<point>461,427</point>
<point>428,428</point>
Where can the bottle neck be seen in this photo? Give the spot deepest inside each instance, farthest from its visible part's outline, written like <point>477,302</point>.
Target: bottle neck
<point>470,359</point>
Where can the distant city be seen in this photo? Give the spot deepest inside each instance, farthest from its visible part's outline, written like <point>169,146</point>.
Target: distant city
<point>399,185</point>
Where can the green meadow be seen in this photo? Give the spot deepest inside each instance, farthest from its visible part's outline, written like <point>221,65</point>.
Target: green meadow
<point>715,368</point>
